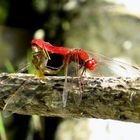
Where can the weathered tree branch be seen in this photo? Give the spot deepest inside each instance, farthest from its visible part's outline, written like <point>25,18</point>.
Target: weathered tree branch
<point>102,97</point>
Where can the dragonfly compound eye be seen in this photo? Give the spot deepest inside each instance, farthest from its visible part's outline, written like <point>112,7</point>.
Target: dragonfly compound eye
<point>91,64</point>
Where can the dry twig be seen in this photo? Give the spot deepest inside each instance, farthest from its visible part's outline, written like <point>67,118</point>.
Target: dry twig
<point>102,97</point>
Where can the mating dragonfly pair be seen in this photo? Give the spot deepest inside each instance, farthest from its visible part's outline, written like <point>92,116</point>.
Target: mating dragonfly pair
<point>82,62</point>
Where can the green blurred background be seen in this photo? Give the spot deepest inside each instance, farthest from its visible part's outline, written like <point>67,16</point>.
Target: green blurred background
<point>105,26</point>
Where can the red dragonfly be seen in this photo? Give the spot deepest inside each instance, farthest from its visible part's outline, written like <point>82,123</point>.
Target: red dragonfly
<point>86,62</point>
<point>42,49</point>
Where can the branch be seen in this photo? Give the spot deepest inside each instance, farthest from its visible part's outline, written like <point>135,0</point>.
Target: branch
<point>102,97</point>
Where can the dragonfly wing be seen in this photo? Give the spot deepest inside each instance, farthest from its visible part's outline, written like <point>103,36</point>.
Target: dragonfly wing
<point>110,67</point>
<point>77,83</point>
<point>7,79</point>
<point>65,91</point>
<point>19,99</point>
<point>72,70</point>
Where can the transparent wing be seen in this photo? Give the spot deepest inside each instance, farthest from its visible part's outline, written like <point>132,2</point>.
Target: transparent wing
<point>17,99</point>
<point>110,67</point>
<point>20,98</point>
<point>6,79</point>
<point>72,70</point>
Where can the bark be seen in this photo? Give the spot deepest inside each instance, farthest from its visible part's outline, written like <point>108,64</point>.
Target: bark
<point>97,97</point>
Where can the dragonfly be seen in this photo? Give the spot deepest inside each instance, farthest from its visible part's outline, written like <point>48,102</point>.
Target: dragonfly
<point>43,49</point>
<point>83,62</point>
<point>79,56</point>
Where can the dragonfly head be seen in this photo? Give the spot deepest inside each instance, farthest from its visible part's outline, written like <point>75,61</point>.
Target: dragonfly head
<point>91,64</point>
<point>35,49</point>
